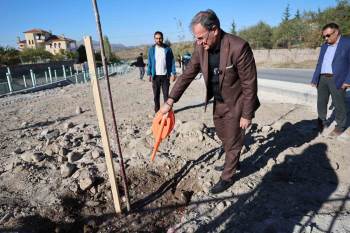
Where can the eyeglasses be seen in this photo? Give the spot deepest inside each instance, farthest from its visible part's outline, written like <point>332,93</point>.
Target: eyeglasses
<point>203,38</point>
<point>328,35</point>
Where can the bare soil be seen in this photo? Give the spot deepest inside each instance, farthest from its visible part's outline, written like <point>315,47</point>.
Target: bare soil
<point>53,176</point>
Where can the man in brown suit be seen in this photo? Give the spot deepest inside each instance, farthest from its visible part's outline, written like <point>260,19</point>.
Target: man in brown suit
<point>229,71</point>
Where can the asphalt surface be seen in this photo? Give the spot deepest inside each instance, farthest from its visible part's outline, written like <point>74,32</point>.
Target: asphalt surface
<point>287,75</point>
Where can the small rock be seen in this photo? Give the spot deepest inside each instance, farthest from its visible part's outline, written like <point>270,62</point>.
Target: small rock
<point>63,151</point>
<point>68,125</point>
<point>67,169</point>
<point>92,203</point>
<point>73,187</point>
<point>220,206</point>
<point>266,129</point>
<point>244,149</point>
<point>55,148</point>
<point>18,151</point>
<point>43,133</point>
<point>87,137</point>
<point>24,124</point>
<point>74,156</point>
<point>85,183</point>
<point>27,156</point>
<point>96,153</point>
<point>52,135</point>
<point>78,110</point>
<point>49,151</point>
<point>37,157</point>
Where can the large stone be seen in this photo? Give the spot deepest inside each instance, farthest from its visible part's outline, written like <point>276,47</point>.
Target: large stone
<point>67,169</point>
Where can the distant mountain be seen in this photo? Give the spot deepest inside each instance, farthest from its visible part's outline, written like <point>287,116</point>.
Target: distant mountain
<point>96,44</point>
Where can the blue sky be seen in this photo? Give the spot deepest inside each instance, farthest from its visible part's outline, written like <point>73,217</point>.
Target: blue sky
<point>132,22</point>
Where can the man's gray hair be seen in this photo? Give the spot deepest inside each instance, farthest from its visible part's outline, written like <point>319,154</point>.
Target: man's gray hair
<point>207,19</point>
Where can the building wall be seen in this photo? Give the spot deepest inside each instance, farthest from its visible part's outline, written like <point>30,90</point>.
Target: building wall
<point>55,46</point>
<point>31,41</point>
<point>285,56</point>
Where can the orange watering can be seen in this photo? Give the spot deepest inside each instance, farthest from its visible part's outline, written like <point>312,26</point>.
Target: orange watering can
<point>161,128</point>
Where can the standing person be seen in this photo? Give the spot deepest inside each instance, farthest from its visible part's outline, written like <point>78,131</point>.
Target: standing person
<point>141,65</point>
<point>229,71</point>
<point>332,77</point>
<point>161,65</point>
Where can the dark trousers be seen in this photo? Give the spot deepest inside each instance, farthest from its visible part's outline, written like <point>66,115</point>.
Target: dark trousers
<point>160,82</point>
<point>326,88</point>
<point>232,137</point>
<point>142,72</point>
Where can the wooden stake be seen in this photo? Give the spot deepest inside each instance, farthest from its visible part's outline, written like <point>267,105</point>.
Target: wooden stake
<point>102,122</point>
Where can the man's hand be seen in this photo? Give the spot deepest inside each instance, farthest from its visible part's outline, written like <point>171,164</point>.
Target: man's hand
<point>313,85</point>
<point>167,106</point>
<point>345,86</point>
<point>173,78</point>
<point>244,123</point>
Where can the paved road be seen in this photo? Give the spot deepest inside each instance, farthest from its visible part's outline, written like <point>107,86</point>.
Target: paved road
<point>289,75</point>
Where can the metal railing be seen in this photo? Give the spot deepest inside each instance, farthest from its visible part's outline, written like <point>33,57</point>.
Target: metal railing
<point>50,77</point>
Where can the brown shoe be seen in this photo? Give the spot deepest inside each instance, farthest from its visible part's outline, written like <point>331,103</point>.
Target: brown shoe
<point>336,132</point>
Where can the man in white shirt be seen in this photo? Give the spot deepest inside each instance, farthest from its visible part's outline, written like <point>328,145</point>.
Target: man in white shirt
<point>161,65</point>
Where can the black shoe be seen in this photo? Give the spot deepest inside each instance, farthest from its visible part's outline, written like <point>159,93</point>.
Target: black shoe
<point>321,125</point>
<point>221,167</point>
<point>221,186</point>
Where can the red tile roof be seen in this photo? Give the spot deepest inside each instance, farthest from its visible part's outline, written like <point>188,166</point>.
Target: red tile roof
<point>36,30</point>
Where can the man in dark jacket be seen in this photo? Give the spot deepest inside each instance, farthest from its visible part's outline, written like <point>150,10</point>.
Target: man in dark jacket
<point>229,72</point>
<point>332,77</point>
<point>140,64</point>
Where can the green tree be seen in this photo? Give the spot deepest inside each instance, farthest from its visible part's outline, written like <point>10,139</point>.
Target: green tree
<point>167,42</point>
<point>286,14</point>
<point>30,55</point>
<point>297,14</point>
<point>233,28</point>
<point>9,56</point>
<point>258,36</point>
<point>108,48</point>
<point>81,54</point>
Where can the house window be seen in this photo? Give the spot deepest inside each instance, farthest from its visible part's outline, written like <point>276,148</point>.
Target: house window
<point>50,46</point>
<point>32,41</point>
<point>54,45</point>
<point>59,45</point>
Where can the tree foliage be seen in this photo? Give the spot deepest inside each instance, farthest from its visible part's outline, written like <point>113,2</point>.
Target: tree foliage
<point>81,54</point>
<point>303,30</point>
<point>258,36</point>
<point>29,55</point>
<point>233,28</point>
<point>9,56</point>
<point>108,48</point>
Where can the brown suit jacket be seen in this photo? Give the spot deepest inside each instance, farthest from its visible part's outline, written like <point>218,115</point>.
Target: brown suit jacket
<point>238,78</point>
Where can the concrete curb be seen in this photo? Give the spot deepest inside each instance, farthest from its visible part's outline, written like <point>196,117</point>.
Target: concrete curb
<point>287,92</point>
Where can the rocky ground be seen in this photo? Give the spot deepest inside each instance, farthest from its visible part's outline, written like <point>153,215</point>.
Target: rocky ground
<point>53,176</point>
